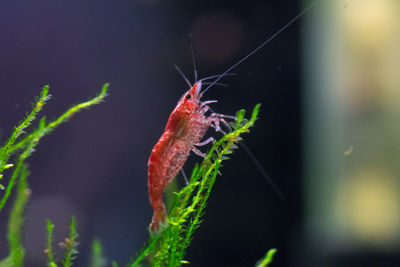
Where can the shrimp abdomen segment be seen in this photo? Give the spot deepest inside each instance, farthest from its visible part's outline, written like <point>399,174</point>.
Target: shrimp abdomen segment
<point>166,159</point>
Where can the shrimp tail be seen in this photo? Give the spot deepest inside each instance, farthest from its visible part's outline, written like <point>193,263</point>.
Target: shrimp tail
<point>156,185</point>
<point>159,221</point>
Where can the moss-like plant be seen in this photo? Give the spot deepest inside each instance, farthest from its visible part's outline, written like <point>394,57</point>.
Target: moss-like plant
<point>13,154</point>
<point>97,259</point>
<point>49,245</point>
<point>23,147</point>
<point>167,248</point>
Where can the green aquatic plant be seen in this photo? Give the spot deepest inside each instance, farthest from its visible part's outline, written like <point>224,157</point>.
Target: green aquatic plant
<point>70,245</point>
<point>267,259</point>
<point>168,248</point>
<point>26,146</point>
<point>14,235</point>
<point>187,205</point>
<point>13,154</point>
<point>49,244</point>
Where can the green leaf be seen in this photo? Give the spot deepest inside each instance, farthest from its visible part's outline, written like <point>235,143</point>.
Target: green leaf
<point>239,117</point>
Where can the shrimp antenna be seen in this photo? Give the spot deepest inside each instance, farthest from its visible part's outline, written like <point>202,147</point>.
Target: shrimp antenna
<point>194,64</point>
<point>183,75</point>
<point>261,169</point>
<point>217,76</point>
<point>264,43</point>
<point>220,84</point>
<point>263,172</point>
<point>204,79</point>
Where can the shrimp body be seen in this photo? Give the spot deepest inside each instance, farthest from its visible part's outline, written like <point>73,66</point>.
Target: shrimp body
<point>186,126</point>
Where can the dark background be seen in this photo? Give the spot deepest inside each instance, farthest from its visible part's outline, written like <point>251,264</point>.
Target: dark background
<point>94,167</point>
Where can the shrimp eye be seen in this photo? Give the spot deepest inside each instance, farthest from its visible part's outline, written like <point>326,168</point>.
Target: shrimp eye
<point>188,96</point>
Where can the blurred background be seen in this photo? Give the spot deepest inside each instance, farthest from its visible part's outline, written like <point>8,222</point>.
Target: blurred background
<point>328,132</point>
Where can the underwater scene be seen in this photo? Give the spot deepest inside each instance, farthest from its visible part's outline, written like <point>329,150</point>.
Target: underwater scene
<point>200,133</point>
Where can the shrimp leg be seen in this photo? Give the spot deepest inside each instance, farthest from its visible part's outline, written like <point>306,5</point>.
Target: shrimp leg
<point>208,102</point>
<point>198,152</point>
<point>185,177</point>
<point>205,142</point>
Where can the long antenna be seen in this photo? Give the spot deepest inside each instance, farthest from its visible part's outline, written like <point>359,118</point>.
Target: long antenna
<point>263,172</point>
<point>183,75</point>
<point>263,44</point>
<point>194,64</point>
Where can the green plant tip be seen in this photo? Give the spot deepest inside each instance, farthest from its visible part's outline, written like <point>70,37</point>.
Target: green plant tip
<point>267,258</point>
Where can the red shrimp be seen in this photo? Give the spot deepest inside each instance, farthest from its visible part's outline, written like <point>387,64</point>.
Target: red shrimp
<point>186,126</point>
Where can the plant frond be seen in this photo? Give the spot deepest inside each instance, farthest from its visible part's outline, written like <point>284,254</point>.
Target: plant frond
<point>70,244</point>
<point>16,220</point>
<point>28,144</point>
<point>49,244</point>
<point>97,259</point>
<point>264,262</point>
<point>7,148</point>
